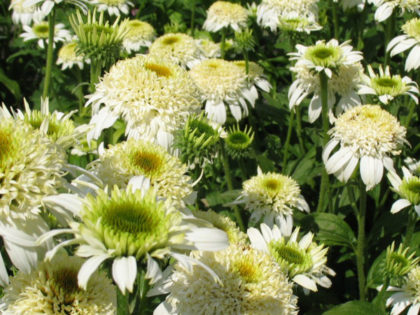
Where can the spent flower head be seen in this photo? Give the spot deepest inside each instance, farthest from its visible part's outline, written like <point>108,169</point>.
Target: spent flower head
<point>368,134</point>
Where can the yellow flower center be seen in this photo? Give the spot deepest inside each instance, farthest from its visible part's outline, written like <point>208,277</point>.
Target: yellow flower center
<point>148,162</point>
<point>170,40</point>
<point>272,184</point>
<point>247,270</point>
<point>161,71</point>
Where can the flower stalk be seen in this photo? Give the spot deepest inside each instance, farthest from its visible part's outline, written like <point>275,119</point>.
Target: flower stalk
<point>411,224</point>
<point>361,237</point>
<point>50,49</point>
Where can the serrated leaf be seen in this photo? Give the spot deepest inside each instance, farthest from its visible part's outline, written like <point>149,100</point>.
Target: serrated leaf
<point>355,308</point>
<point>333,230</point>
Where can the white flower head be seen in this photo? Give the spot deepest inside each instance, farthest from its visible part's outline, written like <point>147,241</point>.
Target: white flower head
<point>154,97</point>
<point>273,197</point>
<point>303,260</point>
<point>113,7</point>
<point>139,34</point>
<point>411,39</point>
<point>295,22</point>
<point>387,86</point>
<point>40,30</point>
<point>129,226</point>
<point>386,7</point>
<point>408,188</point>
<point>222,82</point>
<point>52,289</point>
<point>224,14</point>
<point>407,296</point>
<point>68,58</point>
<point>48,5</point>
<point>368,134</point>
<point>250,284</point>
<point>22,13</point>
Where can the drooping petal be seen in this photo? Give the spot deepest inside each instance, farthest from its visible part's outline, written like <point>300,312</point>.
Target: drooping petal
<point>399,205</point>
<point>371,171</point>
<point>305,282</point>
<point>208,239</point>
<point>124,272</point>
<point>88,268</point>
<point>256,239</point>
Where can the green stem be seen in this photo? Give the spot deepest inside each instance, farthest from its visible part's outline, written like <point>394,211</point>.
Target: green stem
<point>381,294</point>
<point>299,128</point>
<point>411,225</point>
<point>410,114</point>
<point>335,19</point>
<point>246,61</point>
<point>143,288</point>
<point>325,125</point>
<point>361,236</point>
<point>226,167</point>
<point>289,134</point>
<point>223,43</point>
<point>122,303</point>
<point>388,35</point>
<point>50,50</point>
<point>95,73</point>
<point>361,28</point>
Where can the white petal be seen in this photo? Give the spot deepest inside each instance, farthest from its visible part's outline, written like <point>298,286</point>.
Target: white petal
<point>236,111</point>
<point>124,272</point>
<point>315,108</point>
<point>88,268</point>
<point>413,59</point>
<point>208,239</point>
<point>328,149</point>
<point>414,309</point>
<point>256,239</point>
<point>68,202</point>
<point>25,259</point>
<point>348,169</point>
<point>4,277</point>
<point>141,183</point>
<point>324,281</point>
<point>383,12</point>
<point>187,262</point>
<point>216,111</point>
<point>163,309</point>
<point>305,282</point>
<point>399,205</point>
<point>371,171</point>
<point>153,270</point>
<point>417,209</point>
<point>394,179</point>
<point>306,240</point>
<point>340,158</point>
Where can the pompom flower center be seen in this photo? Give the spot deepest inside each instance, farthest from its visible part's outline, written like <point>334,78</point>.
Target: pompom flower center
<point>5,145</point>
<point>170,40</point>
<point>272,184</point>
<point>247,270</point>
<point>159,70</point>
<point>66,279</point>
<point>147,162</point>
<point>412,28</point>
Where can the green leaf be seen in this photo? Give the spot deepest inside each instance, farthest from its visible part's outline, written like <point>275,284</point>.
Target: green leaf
<point>265,163</point>
<point>375,275</point>
<point>10,84</point>
<point>355,308</point>
<point>216,198</point>
<point>333,230</point>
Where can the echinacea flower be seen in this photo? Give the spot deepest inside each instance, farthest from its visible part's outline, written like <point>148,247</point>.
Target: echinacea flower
<point>407,296</point>
<point>154,97</point>
<point>387,86</point>
<point>303,260</point>
<point>180,48</point>
<point>117,164</point>
<point>113,7</point>
<point>272,196</point>
<point>22,13</point>
<point>411,39</point>
<point>368,134</point>
<point>40,30</point>
<point>341,65</point>
<point>385,8</point>
<point>250,283</point>
<point>139,34</point>
<point>224,14</point>
<point>295,22</point>
<point>52,289</point>
<point>256,77</point>
<point>408,188</point>
<point>222,82</point>
<point>127,226</point>
<point>68,58</point>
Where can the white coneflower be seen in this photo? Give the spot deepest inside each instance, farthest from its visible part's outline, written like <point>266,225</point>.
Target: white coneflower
<point>387,86</point>
<point>21,12</point>
<point>180,48</point>
<point>224,14</point>
<point>139,34</point>
<point>130,226</point>
<point>270,12</point>
<point>342,66</point>
<point>113,7</point>
<point>250,283</point>
<point>30,169</point>
<point>408,188</point>
<point>366,133</point>
<point>273,197</point>
<point>219,82</point>
<point>296,22</point>
<point>386,7</point>
<point>408,295</point>
<point>303,260</point>
<point>124,160</point>
<point>411,39</point>
<point>47,5</point>
<point>40,30</point>
<point>154,96</point>
<point>68,58</point>
<point>52,289</point>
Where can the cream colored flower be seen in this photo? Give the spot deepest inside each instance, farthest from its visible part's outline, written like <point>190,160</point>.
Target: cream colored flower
<point>273,197</point>
<point>52,289</point>
<point>40,31</point>
<point>224,14</point>
<point>222,82</point>
<point>251,283</point>
<point>139,34</point>
<point>303,260</point>
<point>386,7</point>
<point>21,12</point>
<point>408,188</point>
<point>153,96</point>
<point>68,58</point>
<point>180,48</point>
<point>113,7</point>
<point>366,133</point>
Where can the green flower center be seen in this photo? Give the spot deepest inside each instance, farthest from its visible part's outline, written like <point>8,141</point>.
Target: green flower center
<point>203,128</point>
<point>293,23</point>
<point>272,184</point>
<point>388,85</point>
<point>147,162</point>
<point>239,138</point>
<point>323,55</point>
<point>161,71</point>
<point>412,28</point>
<point>290,257</point>
<point>410,189</point>
<point>170,40</point>
<point>56,129</point>
<point>41,30</point>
